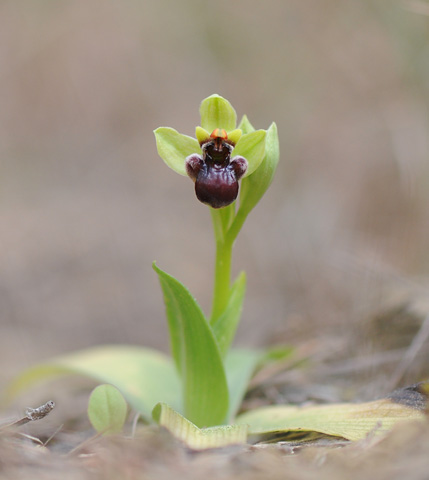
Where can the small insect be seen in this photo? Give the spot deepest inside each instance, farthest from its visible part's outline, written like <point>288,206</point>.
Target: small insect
<point>214,172</point>
<point>39,412</point>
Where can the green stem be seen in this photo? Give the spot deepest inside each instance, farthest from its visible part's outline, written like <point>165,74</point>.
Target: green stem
<point>222,280</point>
<point>236,225</point>
<point>226,227</point>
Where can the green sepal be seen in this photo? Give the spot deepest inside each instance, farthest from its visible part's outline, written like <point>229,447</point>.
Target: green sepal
<point>173,148</point>
<point>254,186</point>
<point>251,146</point>
<point>245,125</point>
<point>217,112</point>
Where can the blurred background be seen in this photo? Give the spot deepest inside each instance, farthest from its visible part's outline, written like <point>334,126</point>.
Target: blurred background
<point>337,251</point>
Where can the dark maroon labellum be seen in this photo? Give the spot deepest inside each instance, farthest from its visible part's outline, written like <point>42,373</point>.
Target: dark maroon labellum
<point>215,173</point>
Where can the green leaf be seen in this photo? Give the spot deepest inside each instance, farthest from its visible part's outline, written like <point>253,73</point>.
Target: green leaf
<point>254,186</point>
<point>245,125</point>
<point>144,376</point>
<point>107,409</point>
<point>276,354</point>
<point>196,354</point>
<point>240,365</point>
<point>217,112</point>
<point>226,325</point>
<point>173,148</point>
<point>194,437</point>
<point>251,146</point>
<point>345,420</point>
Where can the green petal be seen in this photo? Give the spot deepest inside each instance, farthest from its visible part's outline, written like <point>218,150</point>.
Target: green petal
<point>216,112</point>
<point>202,135</point>
<point>235,136</point>
<point>173,148</point>
<point>252,147</point>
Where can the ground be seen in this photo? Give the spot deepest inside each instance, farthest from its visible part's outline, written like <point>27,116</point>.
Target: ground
<point>335,254</point>
<point>155,455</point>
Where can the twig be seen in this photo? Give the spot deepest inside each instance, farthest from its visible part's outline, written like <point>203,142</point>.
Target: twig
<point>83,444</point>
<point>134,427</point>
<point>32,414</point>
<point>53,435</point>
<point>410,355</point>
